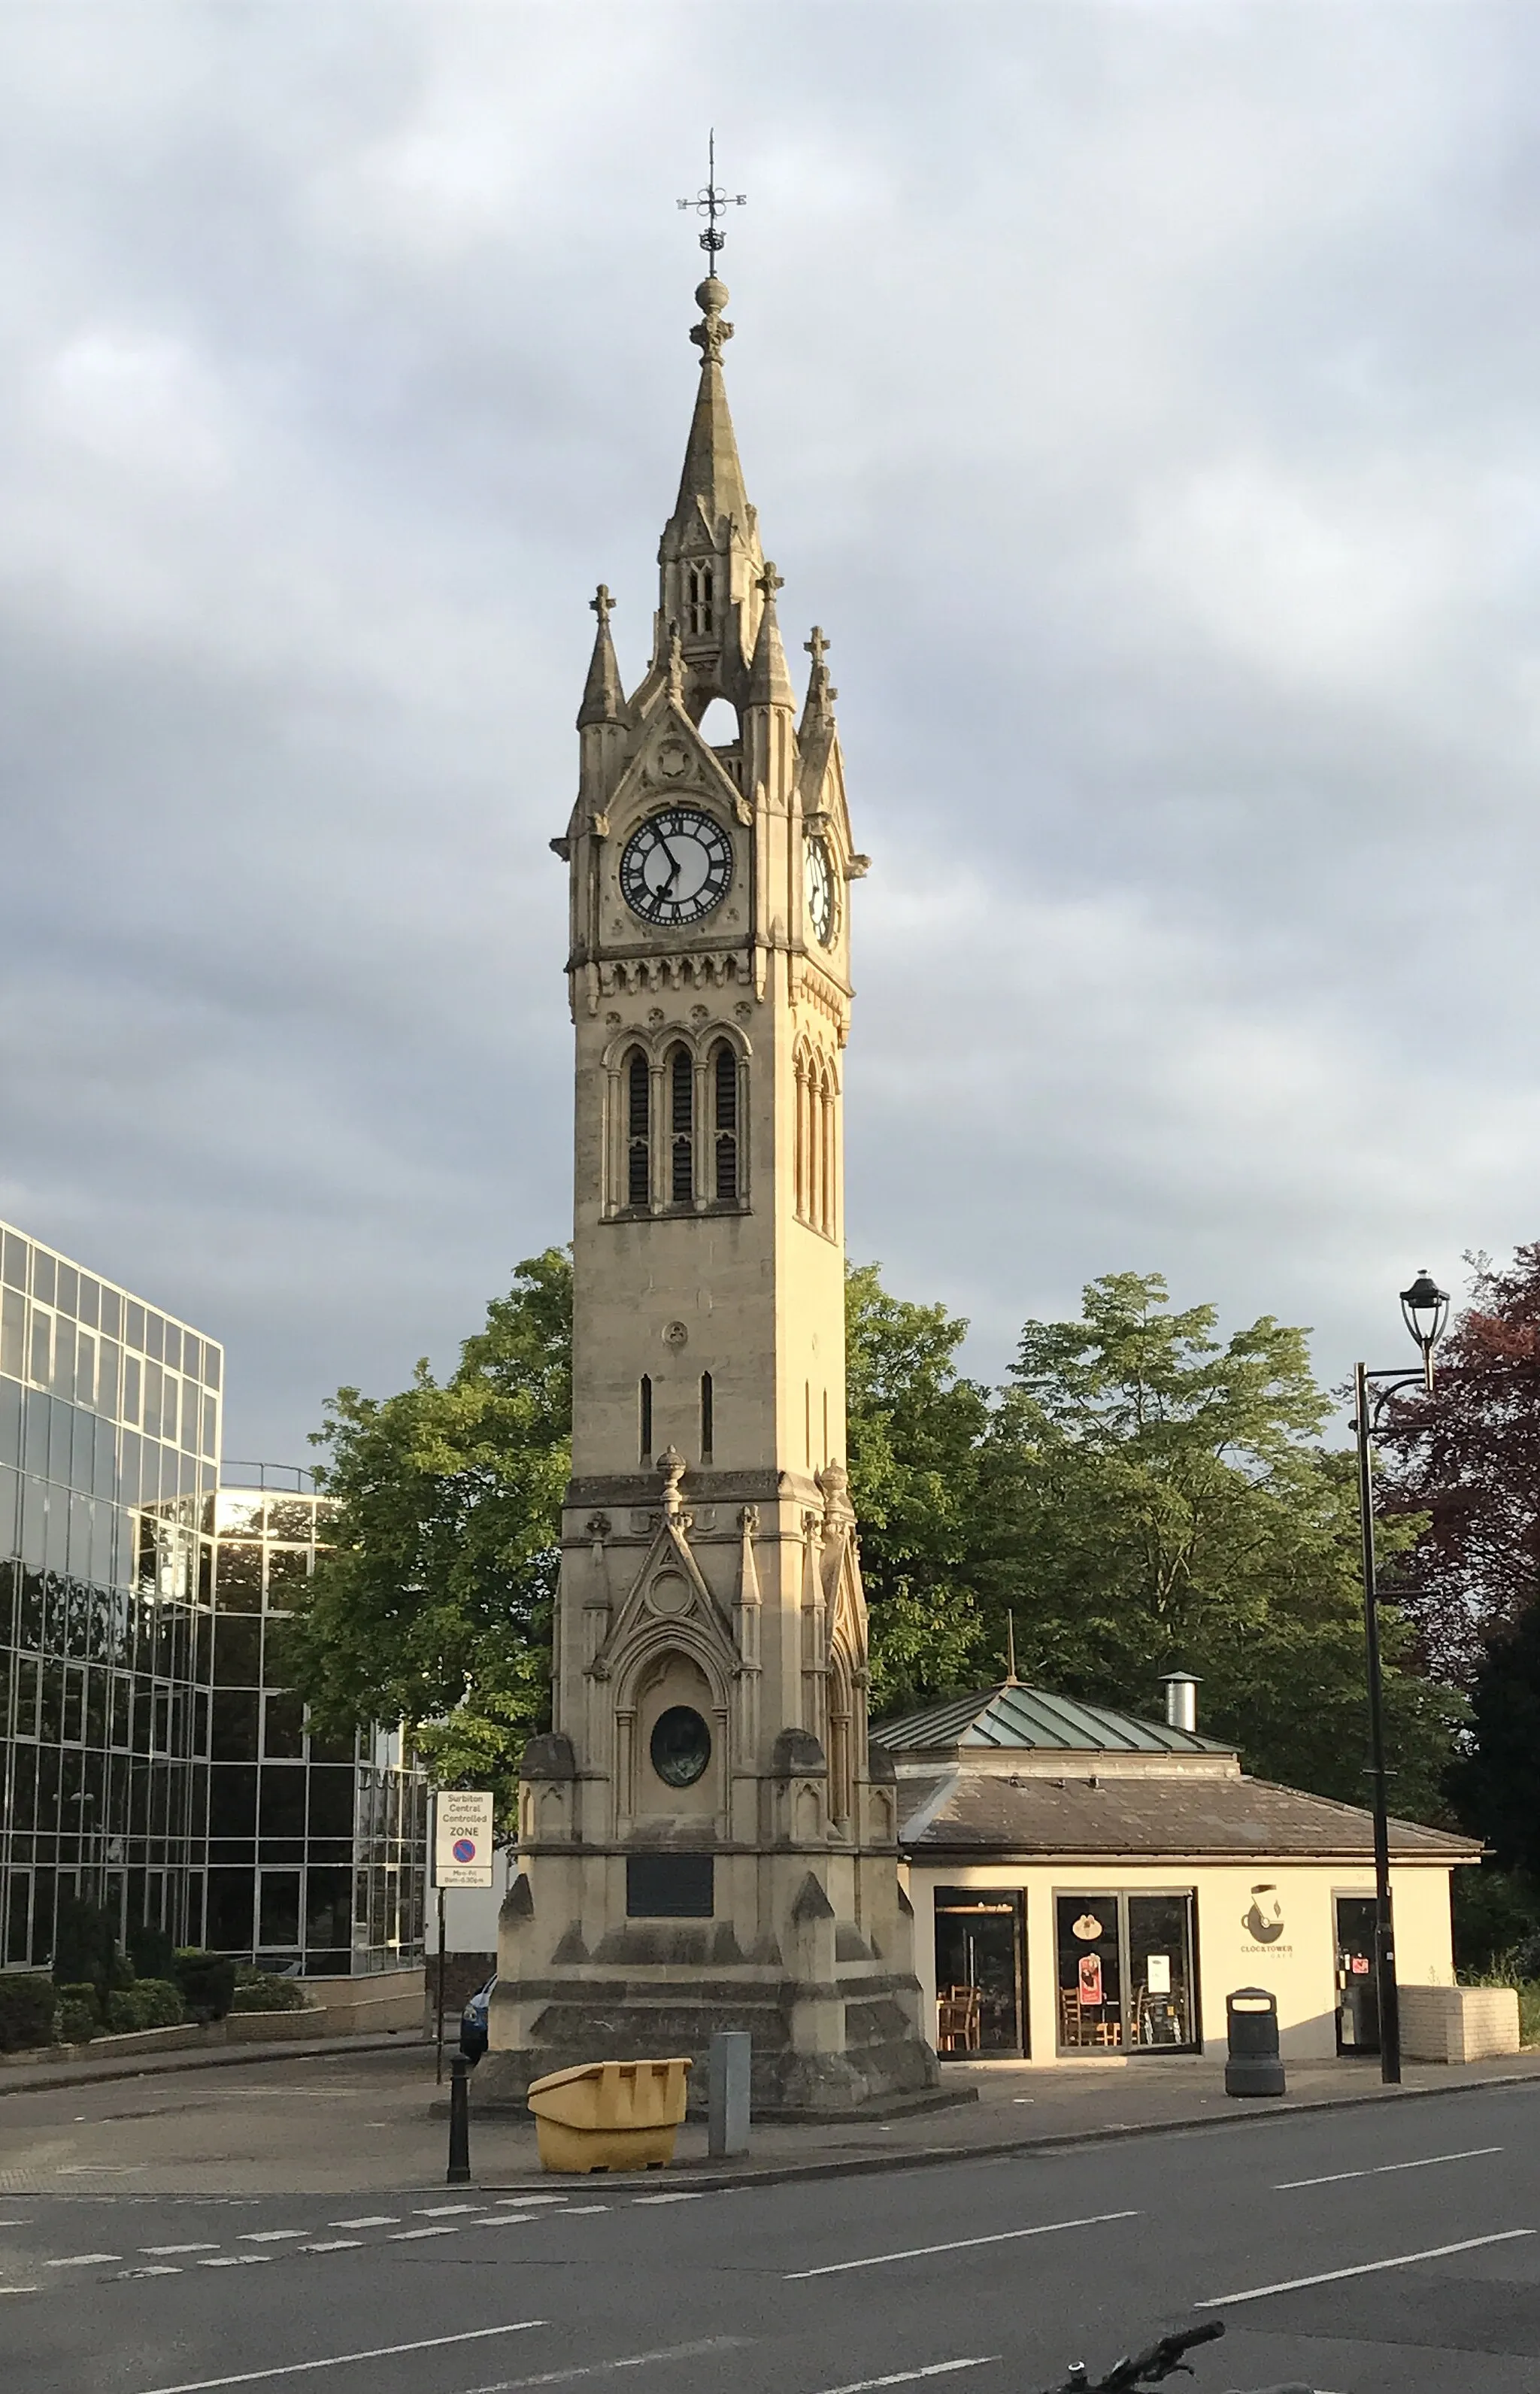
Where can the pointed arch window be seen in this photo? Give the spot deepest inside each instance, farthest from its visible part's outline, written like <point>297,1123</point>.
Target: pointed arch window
<point>702,595</point>
<point>725,1092</point>
<point>639,1143</point>
<point>815,1169</point>
<point>681,1126</point>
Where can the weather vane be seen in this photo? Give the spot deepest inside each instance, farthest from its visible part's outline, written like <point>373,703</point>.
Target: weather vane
<point>713,202</point>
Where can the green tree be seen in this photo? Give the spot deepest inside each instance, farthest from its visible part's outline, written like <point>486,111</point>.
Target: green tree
<point>434,1606</point>
<point>1154,1499</point>
<point>915,1433</point>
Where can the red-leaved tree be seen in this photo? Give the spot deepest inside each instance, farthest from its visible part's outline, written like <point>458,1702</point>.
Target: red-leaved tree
<point>1469,1457</point>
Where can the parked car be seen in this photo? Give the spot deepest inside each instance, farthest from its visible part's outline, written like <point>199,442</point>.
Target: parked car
<point>473,2021</point>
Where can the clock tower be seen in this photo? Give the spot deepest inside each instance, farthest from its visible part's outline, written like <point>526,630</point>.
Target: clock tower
<point>705,1840</point>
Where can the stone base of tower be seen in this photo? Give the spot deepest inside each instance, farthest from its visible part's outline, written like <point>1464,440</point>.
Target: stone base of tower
<point>833,2012</point>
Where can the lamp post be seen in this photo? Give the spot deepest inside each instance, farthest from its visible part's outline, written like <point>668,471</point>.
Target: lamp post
<point>1425,1309</point>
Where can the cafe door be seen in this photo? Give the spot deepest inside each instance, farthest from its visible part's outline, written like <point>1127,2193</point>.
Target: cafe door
<point>980,1961</point>
<point>1357,1993</point>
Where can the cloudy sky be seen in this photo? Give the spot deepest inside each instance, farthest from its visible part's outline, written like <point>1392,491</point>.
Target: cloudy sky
<point>1147,400</point>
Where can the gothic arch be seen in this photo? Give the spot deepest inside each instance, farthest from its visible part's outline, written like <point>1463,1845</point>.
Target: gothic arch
<point>816,1161</point>
<point>686,1148</point>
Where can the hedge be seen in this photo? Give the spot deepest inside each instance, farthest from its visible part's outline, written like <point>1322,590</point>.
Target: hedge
<point>207,1982</point>
<point>264,1991</point>
<point>27,2004</point>
<point>154,2003</point>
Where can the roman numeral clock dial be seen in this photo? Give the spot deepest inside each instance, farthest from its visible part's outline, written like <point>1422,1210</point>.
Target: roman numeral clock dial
<point>676,867</point>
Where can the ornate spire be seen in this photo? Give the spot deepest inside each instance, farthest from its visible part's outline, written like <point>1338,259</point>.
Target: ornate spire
<point>712,484</point>
<point>770,684</point>
<point>602,698</point>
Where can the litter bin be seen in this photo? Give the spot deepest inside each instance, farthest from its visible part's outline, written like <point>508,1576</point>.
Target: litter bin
<point>609,2115</point>
<point>1252,2066</point>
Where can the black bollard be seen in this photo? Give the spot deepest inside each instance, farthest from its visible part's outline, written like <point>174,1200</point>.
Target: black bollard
<point>458,2172</point>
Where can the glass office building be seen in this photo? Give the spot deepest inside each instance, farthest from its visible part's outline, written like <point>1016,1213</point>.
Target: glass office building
<point>109,1419</point>
<point>150,1758</point>
<point>317,1847</point>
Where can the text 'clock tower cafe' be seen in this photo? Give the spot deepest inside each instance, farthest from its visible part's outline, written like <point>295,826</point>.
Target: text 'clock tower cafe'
<point>705,1839</point>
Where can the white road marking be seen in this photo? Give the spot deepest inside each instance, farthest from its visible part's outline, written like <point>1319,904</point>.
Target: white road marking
<point>446,2210</point>
<point>631,2360</point>
<point>19,2290</point>
<point>1363,2269</point>
<point>1386,2169</point>
<point>337,2244</point>
<point>151,2270</point>
<point>234,2261</point>
<point>583,2210</point>
<point>178,2248</point>
<point>530,2199</point>
<point>274,2235</point>
<point>907,2377</point>
<point>338,2359</point>
<point>15,2223</point>
<point>667,2198</point>
<point>959,2245</point>
<point>501,2219</point>
<point>410,2235</point>
<point>375,2219</point>
<point>81,2261</point>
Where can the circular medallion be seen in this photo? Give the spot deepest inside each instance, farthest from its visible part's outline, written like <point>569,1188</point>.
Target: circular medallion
<point>680,1746</point>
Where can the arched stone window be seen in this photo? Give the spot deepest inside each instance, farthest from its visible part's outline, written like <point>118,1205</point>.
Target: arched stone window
<point>701,601</point>
<point>815,1163</point>
<point>726,1185</point>
<point>681,1126</point>
<point>639,1141</point>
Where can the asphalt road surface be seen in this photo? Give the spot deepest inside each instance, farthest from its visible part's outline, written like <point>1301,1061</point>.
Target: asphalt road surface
<point>1381,2250</point>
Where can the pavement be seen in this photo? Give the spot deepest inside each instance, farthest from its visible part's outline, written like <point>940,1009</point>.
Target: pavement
<point>337,2118</point>
<point>1390,2246</point>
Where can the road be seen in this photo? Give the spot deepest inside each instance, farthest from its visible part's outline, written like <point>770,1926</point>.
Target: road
<point>1381,2250</point>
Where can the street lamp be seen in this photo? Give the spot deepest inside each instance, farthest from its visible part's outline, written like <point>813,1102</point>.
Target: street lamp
<point>1425,1309</point>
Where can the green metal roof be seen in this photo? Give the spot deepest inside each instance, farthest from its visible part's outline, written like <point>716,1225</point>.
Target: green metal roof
<point>1011,1715</point>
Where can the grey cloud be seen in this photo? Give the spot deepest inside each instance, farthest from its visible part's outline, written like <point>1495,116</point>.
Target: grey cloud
<point>1143,399</point>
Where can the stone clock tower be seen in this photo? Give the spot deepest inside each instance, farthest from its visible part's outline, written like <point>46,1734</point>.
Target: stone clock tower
<point>705,1840</point>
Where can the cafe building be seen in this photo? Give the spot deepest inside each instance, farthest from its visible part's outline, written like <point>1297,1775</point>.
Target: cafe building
<point>1089,1887</point>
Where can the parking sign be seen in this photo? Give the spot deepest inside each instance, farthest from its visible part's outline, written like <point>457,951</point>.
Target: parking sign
<point>462,1838</point>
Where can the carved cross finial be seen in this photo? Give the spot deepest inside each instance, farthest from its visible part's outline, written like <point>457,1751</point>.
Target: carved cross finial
<point>770,582</point>
<point>602,604</point>
<point>816,648</point>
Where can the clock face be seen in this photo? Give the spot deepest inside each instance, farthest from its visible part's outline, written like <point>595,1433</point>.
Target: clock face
<point>819,882</point>
<point>675,866</point>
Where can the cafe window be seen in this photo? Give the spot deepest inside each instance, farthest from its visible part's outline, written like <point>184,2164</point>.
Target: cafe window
<point>980,1949</point>
<point>1127,1967</point>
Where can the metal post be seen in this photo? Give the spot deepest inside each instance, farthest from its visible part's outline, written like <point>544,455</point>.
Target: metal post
<point>728,2069</point>
<point>439,2068</point>
<point>458,2172</point>
<point>1384,1939</point>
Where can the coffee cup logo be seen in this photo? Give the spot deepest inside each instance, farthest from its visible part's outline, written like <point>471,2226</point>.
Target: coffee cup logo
<point>1264,1917</point>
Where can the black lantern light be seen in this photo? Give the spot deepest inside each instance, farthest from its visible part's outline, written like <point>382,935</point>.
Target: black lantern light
<point>1425,1309</point>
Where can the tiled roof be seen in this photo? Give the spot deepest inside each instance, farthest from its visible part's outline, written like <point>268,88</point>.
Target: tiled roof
<point>1014,1715</point>
<point>983,1813</point>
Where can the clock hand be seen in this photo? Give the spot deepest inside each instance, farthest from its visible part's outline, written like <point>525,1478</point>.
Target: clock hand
<point>674,861</point>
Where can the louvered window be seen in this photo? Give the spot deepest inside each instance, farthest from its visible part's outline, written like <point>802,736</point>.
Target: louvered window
<point>702,600</point>
<point>681,1118</point>
<point>639,1176</point>
<point>725,1083</point>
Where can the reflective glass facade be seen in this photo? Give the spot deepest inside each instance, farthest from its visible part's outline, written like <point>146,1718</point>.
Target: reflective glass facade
<point>317,1848</point>
<point>110,1420</point>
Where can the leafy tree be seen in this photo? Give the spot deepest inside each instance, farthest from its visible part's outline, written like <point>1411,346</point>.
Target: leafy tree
<point>1156,1499</point>
<point>915,1431</point>
<point>433,1607</point>
<point>1468,1458</point>
<point>1495,1782</point>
